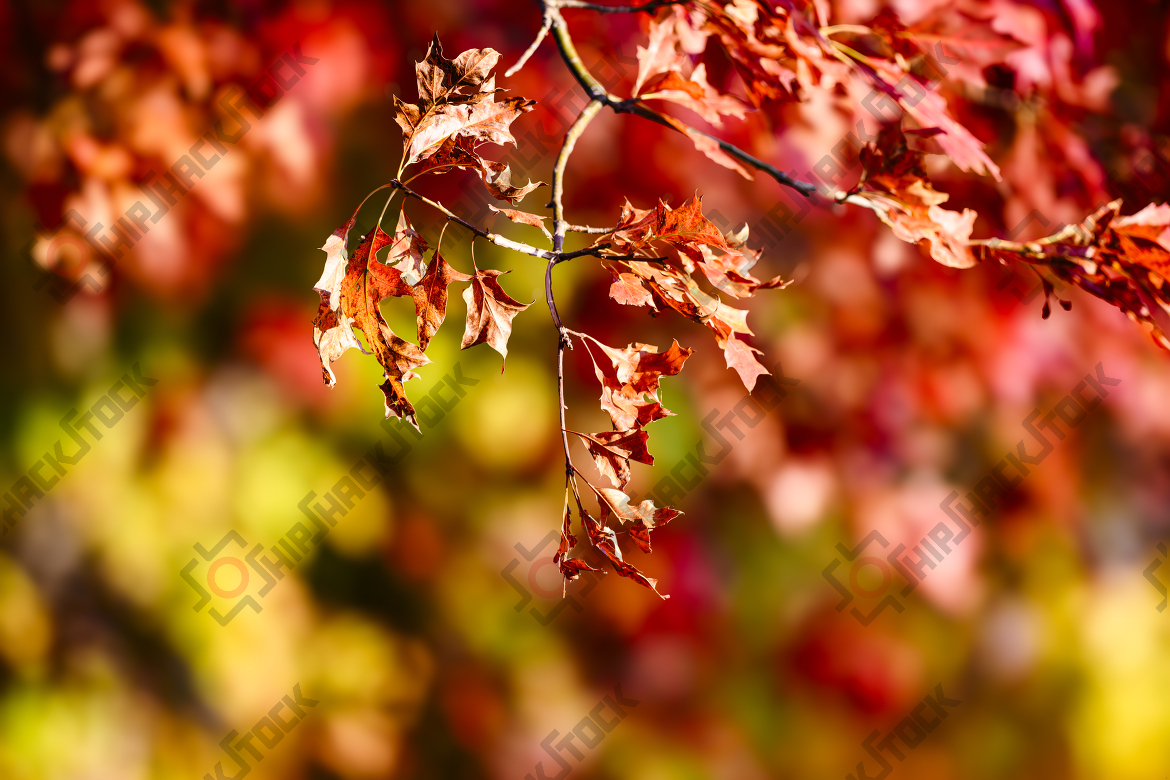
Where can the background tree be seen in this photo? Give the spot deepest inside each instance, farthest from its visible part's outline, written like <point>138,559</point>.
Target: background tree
<point>416,621</point>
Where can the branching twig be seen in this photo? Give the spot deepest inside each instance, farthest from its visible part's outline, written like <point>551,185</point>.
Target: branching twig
<point>598,93</point>
<point>495,238</point>
<point>531,49</point>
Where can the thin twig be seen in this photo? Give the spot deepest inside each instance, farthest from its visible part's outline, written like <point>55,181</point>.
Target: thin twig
<point>587,229</point>
<point>558,182</point>
<point>495,238</point>
<point>558,188</point>
<point>595,251</point>
<point>531,49</point>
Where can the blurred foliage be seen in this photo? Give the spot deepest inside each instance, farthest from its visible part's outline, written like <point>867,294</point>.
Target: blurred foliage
<point>913,380</point>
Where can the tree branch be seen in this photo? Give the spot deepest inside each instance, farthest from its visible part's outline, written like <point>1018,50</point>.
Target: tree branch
<point>558,181</point>
<point>597,92</point>
<point>559,226</point>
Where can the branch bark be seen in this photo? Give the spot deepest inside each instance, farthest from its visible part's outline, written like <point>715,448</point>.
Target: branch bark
<point>559,227</point>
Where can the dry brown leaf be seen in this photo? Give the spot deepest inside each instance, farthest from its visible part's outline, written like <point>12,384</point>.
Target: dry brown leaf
<point>490,311</point>
<point>612,452</point>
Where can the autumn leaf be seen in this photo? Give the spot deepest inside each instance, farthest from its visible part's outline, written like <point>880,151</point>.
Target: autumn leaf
<point>450,120</point>
<point>406,248</point>
<point>365,284</point>
<point>894,185</point>
<point>333,335</point>
<point>663,53</point>
<point>742,358</point>
<point>524,218</point>
<point>721,259</point>
<point>440,79</point>
<point>485,122</point>
<point>570,568</point>
<point>630,381</point>
<point>966,35</point>
<point>490,311</point>
<point>695,93</point>
<point>458,152</point>
<point>336,261</point>
<point>430,297</point>
<point>1124,261</point>
<point>612,452</point>
<point>497,177</point>
<point>646,512</point>
<point>627,288</point>
<point>605,539</point>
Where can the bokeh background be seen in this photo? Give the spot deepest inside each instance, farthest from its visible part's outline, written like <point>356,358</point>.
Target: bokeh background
<point>913,381</point>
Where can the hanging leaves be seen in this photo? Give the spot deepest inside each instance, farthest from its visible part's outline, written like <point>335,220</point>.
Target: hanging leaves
<point>604,539</point>
<point>704,253</point>
<point>894,185</point>
<point>676,258</point>
<point>1124,261</point>
<point>456,113</point>
<point>352,301</point>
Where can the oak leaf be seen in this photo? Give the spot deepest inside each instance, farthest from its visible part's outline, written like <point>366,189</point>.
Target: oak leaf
<point>524,218</point>
<point>894,185</point>
<point>695,93</point>
<point>457,111</point>
<point>605,539</point>
<point>630,380</point>
<point>430,297</point>
<point>570,568</point>
<point>365,284</point>
<point>1124,261</point>
<point>612,452</point>
<point>490,312</point>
